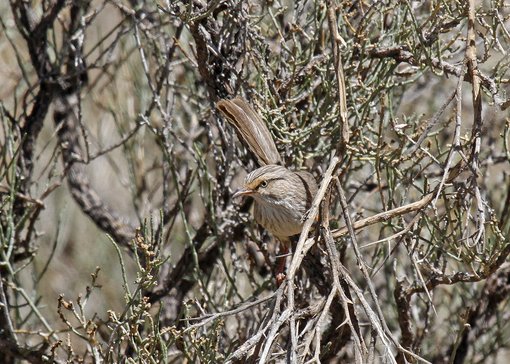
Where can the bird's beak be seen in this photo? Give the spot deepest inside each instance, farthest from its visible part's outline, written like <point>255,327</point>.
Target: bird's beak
<point>243,192</point>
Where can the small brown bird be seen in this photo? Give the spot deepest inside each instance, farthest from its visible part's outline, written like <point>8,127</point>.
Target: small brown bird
<point>282,197</point>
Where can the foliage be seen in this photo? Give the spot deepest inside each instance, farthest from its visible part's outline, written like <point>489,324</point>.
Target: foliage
<point>114,160</point>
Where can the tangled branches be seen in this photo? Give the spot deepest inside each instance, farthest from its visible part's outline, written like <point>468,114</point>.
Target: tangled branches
<point>113,155</point>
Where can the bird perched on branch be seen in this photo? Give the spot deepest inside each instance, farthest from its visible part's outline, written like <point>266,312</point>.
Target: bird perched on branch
<point>281,196</point>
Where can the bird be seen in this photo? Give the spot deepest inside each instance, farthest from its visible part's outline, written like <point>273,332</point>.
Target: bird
<point>281,196</point>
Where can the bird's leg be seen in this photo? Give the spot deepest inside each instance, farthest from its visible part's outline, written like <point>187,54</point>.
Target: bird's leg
<point>281,258</point>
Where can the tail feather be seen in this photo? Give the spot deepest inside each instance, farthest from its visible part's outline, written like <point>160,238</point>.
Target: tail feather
<point>251,129</point>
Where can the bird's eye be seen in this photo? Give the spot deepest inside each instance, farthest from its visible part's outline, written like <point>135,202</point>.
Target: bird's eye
<point>263,184</point>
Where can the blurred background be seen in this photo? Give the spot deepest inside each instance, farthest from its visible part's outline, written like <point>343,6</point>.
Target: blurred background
<point>118,233</point>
